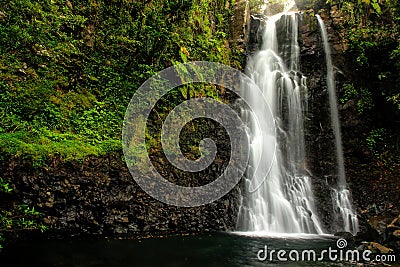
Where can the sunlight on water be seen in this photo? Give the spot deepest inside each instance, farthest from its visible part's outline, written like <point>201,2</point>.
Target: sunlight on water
<point>288,5</point>
<point>267,234</point>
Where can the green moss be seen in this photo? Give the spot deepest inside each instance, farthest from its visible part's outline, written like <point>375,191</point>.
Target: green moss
<point>41,147</point>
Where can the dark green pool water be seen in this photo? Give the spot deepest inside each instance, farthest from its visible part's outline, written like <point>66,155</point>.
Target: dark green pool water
<point>220,249</point>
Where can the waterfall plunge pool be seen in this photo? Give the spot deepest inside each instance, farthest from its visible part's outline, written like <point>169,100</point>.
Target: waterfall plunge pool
<point>215,249</point>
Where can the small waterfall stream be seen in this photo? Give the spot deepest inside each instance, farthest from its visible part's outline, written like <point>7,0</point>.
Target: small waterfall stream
<point>280,198</point>
<point>341,197</point>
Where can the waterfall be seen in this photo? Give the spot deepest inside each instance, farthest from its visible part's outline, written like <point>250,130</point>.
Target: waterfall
<point>341,197</point>
<point>279,196</point>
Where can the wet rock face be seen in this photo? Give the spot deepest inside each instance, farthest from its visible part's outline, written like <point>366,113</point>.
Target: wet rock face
<point>319,135</point>
<point>99,196</point>
<point>241,22</point>
<point>255,33</point>
<point>382,234</point>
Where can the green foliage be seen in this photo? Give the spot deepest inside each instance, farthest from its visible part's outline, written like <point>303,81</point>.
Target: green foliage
<point>4,186</point>
<point>370,26</point>
<point>256,4</point>
<point>41,146</point>
<point>315,5</point>
<point>23,218</point>
<point>69,69</point>
<point>362,41</point>
<point>349,92</point>
<point>376,140</point>
<point>365,102</point>
<point>358,9</point>
<point>395,99</point>
<point>385,146</point>
<point>362,95</point>
<point>395,56</point>
<point>17,218</point>
<point>370,29</point>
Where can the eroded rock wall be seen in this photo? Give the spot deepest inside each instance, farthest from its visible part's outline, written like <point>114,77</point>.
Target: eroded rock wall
<point>99,196</point>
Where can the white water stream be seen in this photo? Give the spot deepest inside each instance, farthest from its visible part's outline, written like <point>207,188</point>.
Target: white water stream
<point>341,197</point>
<point>279,196</point>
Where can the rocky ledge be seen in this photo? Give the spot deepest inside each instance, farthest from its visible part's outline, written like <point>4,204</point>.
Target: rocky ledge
<point>98,196</point>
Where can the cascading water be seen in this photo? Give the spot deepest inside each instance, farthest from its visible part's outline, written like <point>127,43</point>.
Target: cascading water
<point>280,197</point>
<point>341,197</point>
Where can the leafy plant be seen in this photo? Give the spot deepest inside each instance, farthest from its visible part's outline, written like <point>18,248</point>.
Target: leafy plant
<point>376,139</point>
<point>362,95</point>
<point>5,187</point>
<point>18,218</point>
